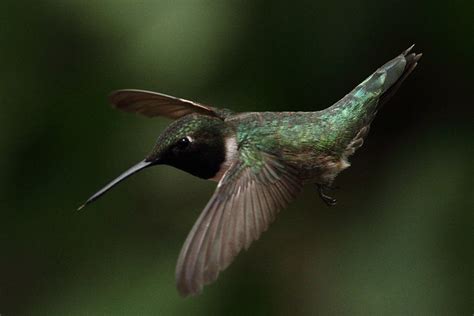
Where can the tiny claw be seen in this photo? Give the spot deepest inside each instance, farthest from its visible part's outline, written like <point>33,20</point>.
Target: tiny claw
<point>330,201</point>
<point>81,207</point>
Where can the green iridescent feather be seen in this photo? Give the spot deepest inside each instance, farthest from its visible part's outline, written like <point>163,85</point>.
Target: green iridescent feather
<point>302,135</point>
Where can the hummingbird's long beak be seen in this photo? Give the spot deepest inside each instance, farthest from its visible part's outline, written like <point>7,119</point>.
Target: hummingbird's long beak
<point>139,166</point>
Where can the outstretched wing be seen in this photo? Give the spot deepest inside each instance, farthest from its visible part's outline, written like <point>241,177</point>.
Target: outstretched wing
<point>153,104</point>
<point>245,202</point>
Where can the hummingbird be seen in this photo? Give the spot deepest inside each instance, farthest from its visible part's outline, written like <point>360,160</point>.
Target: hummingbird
<point>260,161</point>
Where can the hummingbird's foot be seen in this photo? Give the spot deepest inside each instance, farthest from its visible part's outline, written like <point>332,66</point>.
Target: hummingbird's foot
<point>330,201</point>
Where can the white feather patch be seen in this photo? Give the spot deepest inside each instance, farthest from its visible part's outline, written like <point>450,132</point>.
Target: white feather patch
<point>230,155</point>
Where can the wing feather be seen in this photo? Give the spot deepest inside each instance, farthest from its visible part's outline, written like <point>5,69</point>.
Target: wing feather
<point>153,104</point>
<point>246,201</point>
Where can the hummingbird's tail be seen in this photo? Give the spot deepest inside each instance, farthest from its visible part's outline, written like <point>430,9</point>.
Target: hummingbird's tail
<point>353,114</point>
<point>385,81</point>
<point>397,70</point>
<point>364,100</point>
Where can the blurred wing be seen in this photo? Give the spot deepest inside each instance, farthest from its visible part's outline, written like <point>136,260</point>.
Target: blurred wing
<point>152,104</point>
<point>245,202</point>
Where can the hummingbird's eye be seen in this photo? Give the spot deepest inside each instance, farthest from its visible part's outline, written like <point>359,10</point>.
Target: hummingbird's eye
<point>183,142</point>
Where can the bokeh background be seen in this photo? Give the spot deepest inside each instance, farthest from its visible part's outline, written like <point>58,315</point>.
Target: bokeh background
<point>399,241</point>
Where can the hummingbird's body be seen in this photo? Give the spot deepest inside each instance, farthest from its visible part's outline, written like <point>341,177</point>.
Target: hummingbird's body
<point>304,140</point>
<point>260,159</point>
<point>317,144</point>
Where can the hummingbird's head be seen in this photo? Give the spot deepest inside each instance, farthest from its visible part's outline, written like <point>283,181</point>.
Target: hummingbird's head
<point>194,143</point>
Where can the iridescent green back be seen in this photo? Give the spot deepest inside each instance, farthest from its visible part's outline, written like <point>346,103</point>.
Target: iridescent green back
<point>327,132</point>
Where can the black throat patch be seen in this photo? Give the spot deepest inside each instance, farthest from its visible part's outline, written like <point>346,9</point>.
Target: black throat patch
<point>203,159</point>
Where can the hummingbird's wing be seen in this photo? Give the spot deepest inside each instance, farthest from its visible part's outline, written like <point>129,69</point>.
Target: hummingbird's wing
<point>153,104</point>
<point>245,202</point>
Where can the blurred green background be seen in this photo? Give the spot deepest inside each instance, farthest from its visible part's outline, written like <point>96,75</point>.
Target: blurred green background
<point>398,243</point>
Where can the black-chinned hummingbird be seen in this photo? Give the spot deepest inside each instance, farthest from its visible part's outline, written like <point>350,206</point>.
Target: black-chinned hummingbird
<point>259,159</point>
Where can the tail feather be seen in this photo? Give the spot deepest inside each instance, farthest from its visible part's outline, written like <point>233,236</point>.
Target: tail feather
<point>395,77</point>
<point>370,94</point>
<point>365,100</point>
